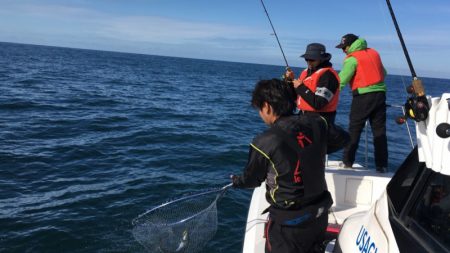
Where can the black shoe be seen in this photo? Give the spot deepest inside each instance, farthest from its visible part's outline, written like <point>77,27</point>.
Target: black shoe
<point>381,169</point>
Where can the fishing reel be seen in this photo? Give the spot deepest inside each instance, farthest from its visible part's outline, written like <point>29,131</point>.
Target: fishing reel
<point>416,106</point>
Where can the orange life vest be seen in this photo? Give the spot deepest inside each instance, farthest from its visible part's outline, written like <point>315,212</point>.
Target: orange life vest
<point>369,69</point>
<point>311,82</point>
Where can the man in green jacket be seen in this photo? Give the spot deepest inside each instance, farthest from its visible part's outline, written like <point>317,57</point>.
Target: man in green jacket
<point>364,71</point>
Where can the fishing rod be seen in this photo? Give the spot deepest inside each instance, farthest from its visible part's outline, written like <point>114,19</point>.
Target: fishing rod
<point>276,36</point>
<point>416,107</point>
<point>402,42</point>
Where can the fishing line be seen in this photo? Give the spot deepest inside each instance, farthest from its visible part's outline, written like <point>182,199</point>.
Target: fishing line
<point>276,36</point>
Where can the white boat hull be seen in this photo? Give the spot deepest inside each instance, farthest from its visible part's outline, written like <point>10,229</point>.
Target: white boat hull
<point>353,190</point>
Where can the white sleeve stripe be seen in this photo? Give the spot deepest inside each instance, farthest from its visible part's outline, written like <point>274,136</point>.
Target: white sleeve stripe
<point>325,93</point>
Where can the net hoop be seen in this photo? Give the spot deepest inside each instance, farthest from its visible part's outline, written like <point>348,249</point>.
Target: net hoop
<point>183,225</point>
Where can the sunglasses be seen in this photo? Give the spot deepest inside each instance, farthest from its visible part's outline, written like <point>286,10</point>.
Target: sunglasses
<point>310,60</point>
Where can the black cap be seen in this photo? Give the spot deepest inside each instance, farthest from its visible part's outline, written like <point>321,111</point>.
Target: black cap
<point>316,51</point>
<point>347,40</point>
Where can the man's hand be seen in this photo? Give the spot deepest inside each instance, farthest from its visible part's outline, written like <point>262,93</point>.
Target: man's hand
<point>233,178</point>
<point>289,75</point>
<point>297,83</point>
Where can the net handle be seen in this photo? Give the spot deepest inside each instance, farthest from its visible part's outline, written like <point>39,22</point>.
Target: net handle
<point>220,195</point>
<point>226,187</point>
<point>223,190</point>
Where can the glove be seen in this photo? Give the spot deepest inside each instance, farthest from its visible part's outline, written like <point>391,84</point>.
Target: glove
<point>288,75</point>
<point>297,83</point>
<point>234,179</point>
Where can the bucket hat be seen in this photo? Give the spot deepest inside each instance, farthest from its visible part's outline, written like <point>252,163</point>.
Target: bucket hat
<point>316,51</point>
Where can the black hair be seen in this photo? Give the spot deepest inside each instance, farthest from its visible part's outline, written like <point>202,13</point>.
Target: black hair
<point>279,94</point>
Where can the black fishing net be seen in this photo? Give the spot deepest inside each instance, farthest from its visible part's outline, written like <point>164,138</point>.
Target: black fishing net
<point>183,225</point>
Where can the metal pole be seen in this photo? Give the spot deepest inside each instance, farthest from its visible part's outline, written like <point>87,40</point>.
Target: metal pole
<point>407,127</point>
<point>367,147</point>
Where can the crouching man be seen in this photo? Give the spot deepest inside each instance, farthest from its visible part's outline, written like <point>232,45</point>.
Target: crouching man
<point>290,157</point>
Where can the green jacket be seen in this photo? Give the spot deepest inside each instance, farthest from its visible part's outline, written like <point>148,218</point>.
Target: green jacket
<point>349,68</point>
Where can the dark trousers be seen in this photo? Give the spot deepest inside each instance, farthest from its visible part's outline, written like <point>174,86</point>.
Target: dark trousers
<point>372,107</point>
<point>296,239</point>
<point>337,138</point>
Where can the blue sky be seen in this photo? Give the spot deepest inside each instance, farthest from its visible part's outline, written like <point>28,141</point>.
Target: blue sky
<point>236,30</point>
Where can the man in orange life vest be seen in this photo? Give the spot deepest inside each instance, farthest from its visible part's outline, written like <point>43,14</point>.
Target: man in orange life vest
<point>365,72</point>
<point>318,92</point>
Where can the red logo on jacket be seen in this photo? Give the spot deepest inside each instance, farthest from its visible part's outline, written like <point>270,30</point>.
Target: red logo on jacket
<point>297,177</point>
<point>302,141</point>
<point>302,138</point>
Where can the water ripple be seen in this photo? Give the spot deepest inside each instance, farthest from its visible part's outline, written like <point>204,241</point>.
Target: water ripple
<point>91,139</point>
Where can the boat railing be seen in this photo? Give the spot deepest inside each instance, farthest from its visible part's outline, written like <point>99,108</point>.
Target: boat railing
<point>366,135</point>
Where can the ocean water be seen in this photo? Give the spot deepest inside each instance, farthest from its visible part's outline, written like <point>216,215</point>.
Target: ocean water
<point>91,139</point>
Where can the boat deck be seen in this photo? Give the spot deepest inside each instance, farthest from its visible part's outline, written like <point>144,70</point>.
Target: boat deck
<point>353,190</point>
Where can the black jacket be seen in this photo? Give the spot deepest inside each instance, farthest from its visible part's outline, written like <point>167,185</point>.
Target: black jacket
<point>327,81</point>
<point>290,157</point>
